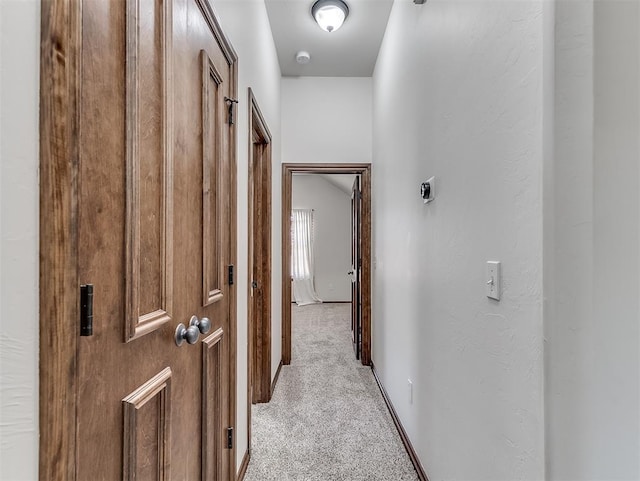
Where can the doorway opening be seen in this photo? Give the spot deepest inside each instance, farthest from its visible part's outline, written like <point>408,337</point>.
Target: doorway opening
<point>360,270</point>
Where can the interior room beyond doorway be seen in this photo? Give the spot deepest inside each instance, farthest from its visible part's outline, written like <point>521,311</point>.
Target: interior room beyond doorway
<point>326,200</point>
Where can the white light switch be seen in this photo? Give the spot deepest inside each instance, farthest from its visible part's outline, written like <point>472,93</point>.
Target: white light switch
<point>494,280</point>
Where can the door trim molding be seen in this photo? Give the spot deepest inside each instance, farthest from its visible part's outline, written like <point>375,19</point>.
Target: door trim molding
<point>259,336</point>
<point>260,213</point>
<point>60,54</point>
<point>364,170</point>
<point>258,133</point>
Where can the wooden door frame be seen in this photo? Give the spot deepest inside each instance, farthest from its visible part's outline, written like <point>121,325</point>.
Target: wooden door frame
<point>259,336</point>
<point>364,170</point>
<point>60,51</point>
<point>60,71</point>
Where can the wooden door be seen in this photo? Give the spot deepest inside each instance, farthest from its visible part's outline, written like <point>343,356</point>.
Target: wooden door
<point>156,236</point>
<point>259,328</point>
<point>356,261</point>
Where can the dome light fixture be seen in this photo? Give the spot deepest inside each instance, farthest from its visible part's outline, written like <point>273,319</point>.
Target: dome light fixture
<point>330,14</point>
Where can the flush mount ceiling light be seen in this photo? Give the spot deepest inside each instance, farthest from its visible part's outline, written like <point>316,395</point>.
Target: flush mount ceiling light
<point>330,14</point>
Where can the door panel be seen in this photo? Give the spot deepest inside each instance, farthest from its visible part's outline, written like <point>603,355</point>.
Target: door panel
<point>356,255</point>
<point>147,442</point>
<point>149,166</point>
<point>155,229</point>
<point>212,180</point>
<point>212,426</point>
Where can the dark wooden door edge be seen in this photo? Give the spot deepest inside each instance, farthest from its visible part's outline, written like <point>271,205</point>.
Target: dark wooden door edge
<point>364,170</point>
<point>403,434</point>
<point>60,50</point>
<point>243,466</point>
<point>233,202</point>
<point>286,265</point>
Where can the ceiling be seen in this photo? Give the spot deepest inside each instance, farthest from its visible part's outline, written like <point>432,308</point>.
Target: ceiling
<point>343,182</point>
<point>350,51</point>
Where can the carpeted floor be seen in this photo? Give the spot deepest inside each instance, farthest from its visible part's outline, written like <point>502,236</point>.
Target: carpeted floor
<point>327,419</point>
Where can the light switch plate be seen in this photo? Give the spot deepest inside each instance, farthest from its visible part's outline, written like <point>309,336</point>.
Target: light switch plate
<point>494,280</point>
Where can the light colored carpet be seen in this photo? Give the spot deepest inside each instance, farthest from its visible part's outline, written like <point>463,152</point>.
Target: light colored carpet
<point>327,419</point>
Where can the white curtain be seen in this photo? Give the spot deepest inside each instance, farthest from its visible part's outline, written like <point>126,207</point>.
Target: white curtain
<point>302,257</point>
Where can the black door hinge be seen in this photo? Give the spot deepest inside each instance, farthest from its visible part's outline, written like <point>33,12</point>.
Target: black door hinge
<point>229,438</point>
<point>231,275</point>
<point>86,310</point>
<point>231,103</point>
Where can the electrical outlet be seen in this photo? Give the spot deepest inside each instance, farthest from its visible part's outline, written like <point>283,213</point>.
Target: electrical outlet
<point>410,390</point>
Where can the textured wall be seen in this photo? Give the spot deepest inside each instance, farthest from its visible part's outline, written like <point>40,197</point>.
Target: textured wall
<point>612,422</point>
<point>332,220</point>
<point>592,254</point>
<point>19,97</point>
<point>326,120</point>
<point>458,93</point>
<point>247,26</point>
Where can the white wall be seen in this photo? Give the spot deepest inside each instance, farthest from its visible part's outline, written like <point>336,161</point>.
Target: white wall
<point>19,98</point>
<point>458,93</point>
<point>591,324</point>
<point>613,446</point>
<point>332,228</point>
<point>326,120</point>
<point>246,24</point>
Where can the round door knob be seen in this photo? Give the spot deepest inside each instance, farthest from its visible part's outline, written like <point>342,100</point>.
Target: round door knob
<point>203,325</point>
<point>189,334</point>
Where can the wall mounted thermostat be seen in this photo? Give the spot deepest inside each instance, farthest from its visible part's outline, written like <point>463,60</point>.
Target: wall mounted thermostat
<point>428,190</point>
